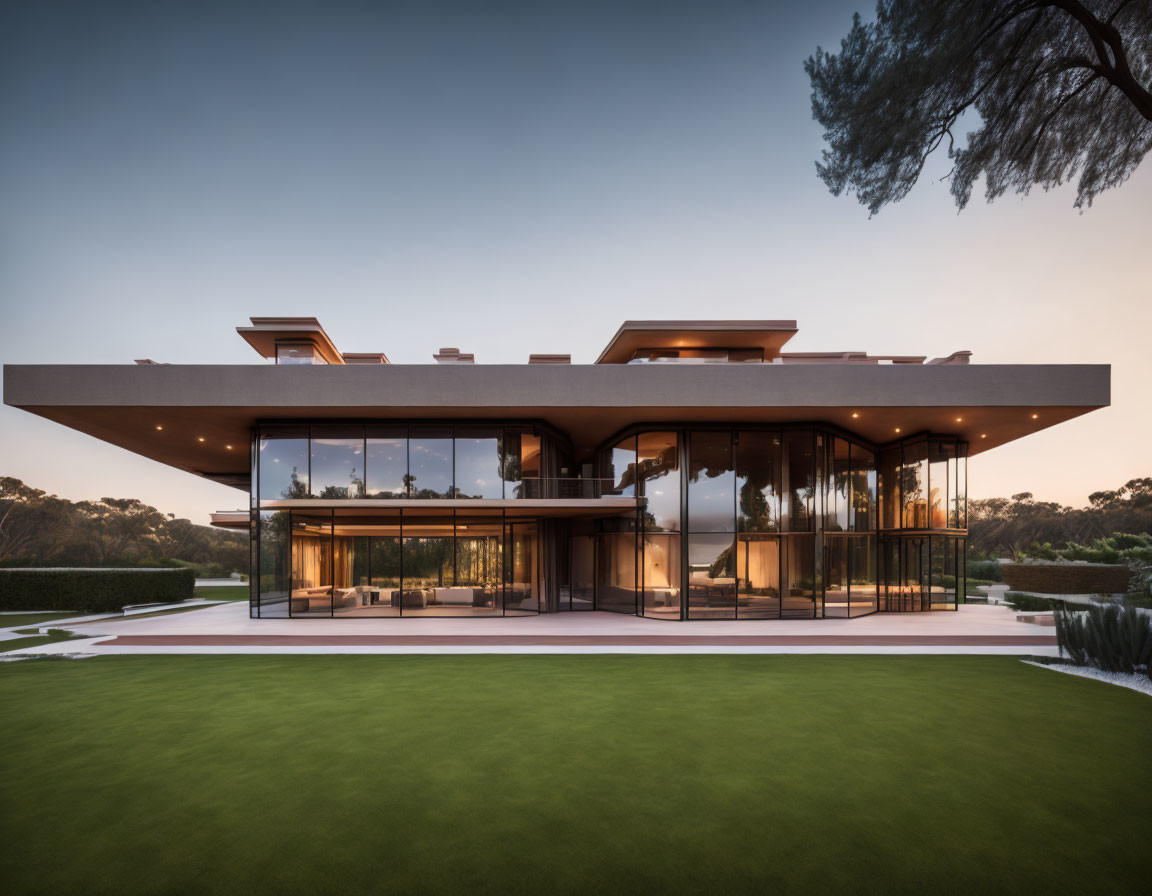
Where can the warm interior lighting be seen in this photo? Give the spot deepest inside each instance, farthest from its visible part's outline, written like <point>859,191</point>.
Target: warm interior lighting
<point>229,447</point>
<point>983,435</point>
<point>897,429</point>
<point>1035,416</point>
<point>199,438</point>
<point>959,419</point>
<point>158,426</point>
<point>854,415</point>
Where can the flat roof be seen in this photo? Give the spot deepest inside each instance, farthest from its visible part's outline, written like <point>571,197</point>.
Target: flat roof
<point>634,335</point>
<point>187,416</point>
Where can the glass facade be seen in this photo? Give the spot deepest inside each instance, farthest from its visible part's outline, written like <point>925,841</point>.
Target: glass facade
<point>740,522</point>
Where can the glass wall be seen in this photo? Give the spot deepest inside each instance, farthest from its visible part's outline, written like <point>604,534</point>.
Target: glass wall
<point>349,461</point>
<point>758,576</point>
<point>322,563</point>
<point>711,483</point>
<point>757,481</point>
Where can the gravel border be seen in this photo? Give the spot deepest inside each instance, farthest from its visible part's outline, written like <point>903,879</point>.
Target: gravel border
<point>1140,683</point>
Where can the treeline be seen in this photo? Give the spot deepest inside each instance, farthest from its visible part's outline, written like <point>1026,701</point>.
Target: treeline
<point>1014,526</point>
<point>38,529</point>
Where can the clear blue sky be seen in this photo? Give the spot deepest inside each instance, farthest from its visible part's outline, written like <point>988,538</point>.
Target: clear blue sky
<point>505,177</point>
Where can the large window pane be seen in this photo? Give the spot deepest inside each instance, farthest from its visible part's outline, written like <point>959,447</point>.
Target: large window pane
<point>312,585</point>
<point>661,573</point>
<point>428,564</point>
<point>660,476</point>
<point>862,575</point>
<point>521,465</point>
<point>711,483</point>
<point>337,462</point>
<point>387,462</point>
<point>521,569</point>
<point>800,576</point>
<point>839,487</point>
<point>758,481</point>
<point>583,567</point>
<point>801,480</point>
<point>914,486</point>
<point>479,564</point>
<point>758,576</point>
<point>616,572</point>
<point>384,549</point>
<point>273,566</point>
<point>619,465</point>
<point>711,577</point>
<point>890,488</point>
<point>430,462</point>
<point>836,576</point>
<point>478,464</point>
<point>960,492</point>
<point>283,463</point>
<point>941,461</point>
<point>863,488</point>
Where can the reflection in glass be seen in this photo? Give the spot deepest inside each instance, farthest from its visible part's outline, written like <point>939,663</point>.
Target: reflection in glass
<point>890,488</point>
<point>941,459</point>
<point>711,483</point>
<point>836,576</point>
<point>283,463</point>
<point>914,486</point>
<point>620,467</point>
<point>583,572</point>
<point>959,518</point>
<point>337,462</point>
<point>801,480</point>
<point>711,577</point>
<point>758,576</point>
<point>836,517</point>
<point>661,574</point>
<point>863,490</point>
<point>862,575</point>
<point>387,462</point>
<point>312,573</point>
<point>800,577</point>
<point>521,569</point>
<point>616,572</point>
<point>758,481</point>
<point>479,464</point>
<point>660,475</point>
<point>430,462</point>
<point>427,561</point>
<point>273,568</point>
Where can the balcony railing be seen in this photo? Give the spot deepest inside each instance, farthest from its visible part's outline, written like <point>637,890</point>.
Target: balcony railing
<point>563,489</point>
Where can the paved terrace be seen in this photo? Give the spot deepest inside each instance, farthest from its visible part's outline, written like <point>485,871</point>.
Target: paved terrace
<point>226,628</point>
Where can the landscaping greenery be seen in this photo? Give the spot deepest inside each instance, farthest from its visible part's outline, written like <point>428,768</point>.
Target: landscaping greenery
<point>222,592</point>
<point>37,640</point>
<point>548,774</point>
<point>92,590</point>
<point>1110,637</point>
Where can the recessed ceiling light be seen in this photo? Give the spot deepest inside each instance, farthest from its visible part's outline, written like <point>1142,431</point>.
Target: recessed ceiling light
<point>1035,416</point>
<point>983,435</point>
<point>897,429</point>
<point>229,447</point>
<point>199,438</point>
<point>959,419</point>
<point>158,426</point>
<point>854,414</point>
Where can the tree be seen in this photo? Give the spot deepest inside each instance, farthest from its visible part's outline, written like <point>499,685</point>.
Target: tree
<point>1061,87</point>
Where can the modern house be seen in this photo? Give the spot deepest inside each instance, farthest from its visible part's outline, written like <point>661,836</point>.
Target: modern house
<point>696,470</point>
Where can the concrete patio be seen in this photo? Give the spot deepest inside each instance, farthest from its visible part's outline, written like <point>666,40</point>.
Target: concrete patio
<point>226,628</point>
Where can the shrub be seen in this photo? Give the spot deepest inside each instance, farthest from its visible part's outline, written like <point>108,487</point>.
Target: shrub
<point>92,590</point>
<point>987,570</point>
<point>1028,602</point>
<point>1113,638</point>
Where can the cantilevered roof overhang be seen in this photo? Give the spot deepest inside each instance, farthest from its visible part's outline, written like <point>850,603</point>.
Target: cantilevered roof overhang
<point>198,418</point>
<point>633,335</point>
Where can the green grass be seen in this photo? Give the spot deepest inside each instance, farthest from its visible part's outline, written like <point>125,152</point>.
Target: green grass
<point>222,592</point>
<point>597,774</point>
<point>52,636</point>
<point>32,618</point>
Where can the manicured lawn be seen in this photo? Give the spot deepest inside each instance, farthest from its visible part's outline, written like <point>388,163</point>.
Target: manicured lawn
<point>33,618</point>
<point>36,640</point>
<point>670,774</point>
<point>221,592</point>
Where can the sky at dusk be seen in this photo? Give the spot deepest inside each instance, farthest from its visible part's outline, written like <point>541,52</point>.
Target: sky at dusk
<point>506,178</point>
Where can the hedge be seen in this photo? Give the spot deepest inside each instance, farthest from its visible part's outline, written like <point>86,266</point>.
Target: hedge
<point>1067,578</point>
<point>92,590</point>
